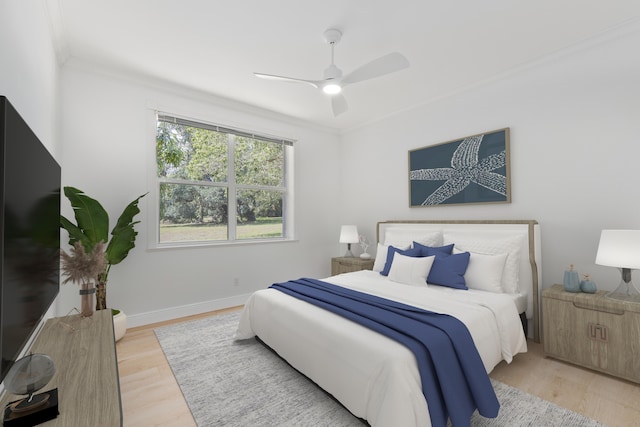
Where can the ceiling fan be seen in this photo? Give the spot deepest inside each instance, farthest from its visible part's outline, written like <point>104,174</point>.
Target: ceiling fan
<point>333,82</point>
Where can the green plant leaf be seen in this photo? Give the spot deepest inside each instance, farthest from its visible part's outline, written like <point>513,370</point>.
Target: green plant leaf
<point>123,235</point>
<point>91,218</point>
<point>75,234</point>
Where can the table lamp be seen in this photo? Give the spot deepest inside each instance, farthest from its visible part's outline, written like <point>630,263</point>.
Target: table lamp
<point>621,249</point>
<point>349,235</point>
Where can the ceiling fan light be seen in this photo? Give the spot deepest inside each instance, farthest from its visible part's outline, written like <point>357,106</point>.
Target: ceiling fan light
<point>331,88</point>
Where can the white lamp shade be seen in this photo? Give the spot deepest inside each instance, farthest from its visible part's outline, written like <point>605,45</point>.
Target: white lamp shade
<point>349,234</point>
<point>619,248</point>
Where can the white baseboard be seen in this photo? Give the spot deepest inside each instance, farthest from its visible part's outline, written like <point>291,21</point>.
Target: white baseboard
<point>171,313</point>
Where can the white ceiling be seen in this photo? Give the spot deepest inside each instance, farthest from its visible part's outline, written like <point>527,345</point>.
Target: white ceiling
<point>214,46</point>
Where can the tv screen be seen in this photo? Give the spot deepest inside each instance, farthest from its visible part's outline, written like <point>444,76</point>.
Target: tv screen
<point>29,233</point>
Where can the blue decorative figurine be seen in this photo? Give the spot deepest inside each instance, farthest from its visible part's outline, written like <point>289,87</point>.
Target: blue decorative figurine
<point>587,285</point>
<point>571,281</point>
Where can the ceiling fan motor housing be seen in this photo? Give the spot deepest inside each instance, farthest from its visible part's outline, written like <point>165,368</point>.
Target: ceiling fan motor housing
<point>332,72</point>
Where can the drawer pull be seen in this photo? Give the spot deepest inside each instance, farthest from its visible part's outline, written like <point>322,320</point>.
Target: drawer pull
<point>604,334</point>
<point>598,332</point>
<point>593,328</point>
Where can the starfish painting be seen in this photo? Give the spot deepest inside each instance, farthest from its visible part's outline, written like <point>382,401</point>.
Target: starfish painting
<point>466,168</point>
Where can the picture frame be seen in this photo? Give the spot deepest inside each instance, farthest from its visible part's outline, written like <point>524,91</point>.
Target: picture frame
<point>470,170</point>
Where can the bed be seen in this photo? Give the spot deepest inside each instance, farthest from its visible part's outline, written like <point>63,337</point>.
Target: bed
<point>375,377</point>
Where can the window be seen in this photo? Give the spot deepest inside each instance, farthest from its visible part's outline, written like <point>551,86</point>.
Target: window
<point>217,184</point>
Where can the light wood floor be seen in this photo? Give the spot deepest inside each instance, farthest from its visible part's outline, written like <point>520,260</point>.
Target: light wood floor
<point>151,397</point>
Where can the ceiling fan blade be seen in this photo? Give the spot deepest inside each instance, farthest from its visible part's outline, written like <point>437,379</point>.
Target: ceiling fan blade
<point>339,104</point>
<point>378,67</point>
<point>287,79</point>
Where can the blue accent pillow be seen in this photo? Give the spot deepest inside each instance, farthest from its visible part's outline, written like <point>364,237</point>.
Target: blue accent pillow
<point>433,250</point>
<point>413,252</point>
<point>448,270</point>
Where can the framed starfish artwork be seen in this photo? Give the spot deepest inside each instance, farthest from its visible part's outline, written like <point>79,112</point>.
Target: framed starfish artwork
<point>474,169</point>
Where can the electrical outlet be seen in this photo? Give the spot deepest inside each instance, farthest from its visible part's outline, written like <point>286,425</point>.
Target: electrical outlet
<point>236,282</point>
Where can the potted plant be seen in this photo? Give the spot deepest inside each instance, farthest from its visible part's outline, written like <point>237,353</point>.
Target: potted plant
<point>92,227</point>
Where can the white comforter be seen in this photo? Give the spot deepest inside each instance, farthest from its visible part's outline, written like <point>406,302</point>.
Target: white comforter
<point>373,376</point>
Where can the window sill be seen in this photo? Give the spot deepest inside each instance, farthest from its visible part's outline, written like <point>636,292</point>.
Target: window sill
<point>210,244</point>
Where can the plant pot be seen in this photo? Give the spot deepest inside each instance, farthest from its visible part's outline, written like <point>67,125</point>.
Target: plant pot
<point>119,325</point>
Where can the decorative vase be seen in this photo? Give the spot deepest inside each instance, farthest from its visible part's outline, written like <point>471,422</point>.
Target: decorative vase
<point>587,285</point>
<point>571,280</point>
<point>364,246</point>
<point>87,292</point>
<point>119,324</point>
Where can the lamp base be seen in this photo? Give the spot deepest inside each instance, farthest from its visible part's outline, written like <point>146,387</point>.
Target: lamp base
<point>626,291</point>
<point>38,415</point>
<point>349,254</point>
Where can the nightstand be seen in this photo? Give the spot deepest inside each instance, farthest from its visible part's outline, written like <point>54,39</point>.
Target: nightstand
<point>593,331</point>
<point>342,264</point>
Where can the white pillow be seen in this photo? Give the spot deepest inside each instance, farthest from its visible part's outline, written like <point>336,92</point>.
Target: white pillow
<point>399,238</point>
<point>410,270</point>
<point>484,272</point>
<point>381,256</point>
<point>494,246</point>
<point>432,239</point>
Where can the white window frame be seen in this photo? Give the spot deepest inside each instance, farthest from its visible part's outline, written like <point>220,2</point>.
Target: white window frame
<point>287,188</point>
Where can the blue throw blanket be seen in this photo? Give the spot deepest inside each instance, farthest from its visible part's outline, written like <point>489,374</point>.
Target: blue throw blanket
<point>454,380</point>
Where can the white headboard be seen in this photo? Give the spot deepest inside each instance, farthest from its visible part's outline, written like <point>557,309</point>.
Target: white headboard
<point>530,268</point>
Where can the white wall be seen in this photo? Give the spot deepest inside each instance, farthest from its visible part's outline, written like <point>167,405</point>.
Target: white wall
<point>575,153</point>
<point>28,69</point>
<point>109,137</point>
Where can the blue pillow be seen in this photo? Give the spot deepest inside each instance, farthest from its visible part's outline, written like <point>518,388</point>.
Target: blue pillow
<point>448,270</point>
<point>413,252</point>
<point>433,250</point>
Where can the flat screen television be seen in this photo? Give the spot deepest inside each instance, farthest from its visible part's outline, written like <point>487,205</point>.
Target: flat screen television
<point>29,233</point>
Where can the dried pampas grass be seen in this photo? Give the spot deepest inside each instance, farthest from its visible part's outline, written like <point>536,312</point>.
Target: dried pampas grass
<point>82,267</point>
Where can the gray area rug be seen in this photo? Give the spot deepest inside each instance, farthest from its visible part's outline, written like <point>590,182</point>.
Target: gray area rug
<point>243,383</point>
